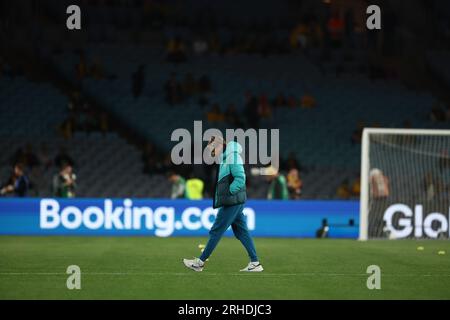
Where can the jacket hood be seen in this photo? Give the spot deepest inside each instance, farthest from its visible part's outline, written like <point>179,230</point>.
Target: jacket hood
<point>233,147</point>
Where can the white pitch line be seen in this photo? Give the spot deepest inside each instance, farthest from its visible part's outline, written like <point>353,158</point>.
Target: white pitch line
<point>216,274</point>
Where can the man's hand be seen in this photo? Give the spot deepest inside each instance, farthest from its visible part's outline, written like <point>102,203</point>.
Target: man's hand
<point>7,189</point>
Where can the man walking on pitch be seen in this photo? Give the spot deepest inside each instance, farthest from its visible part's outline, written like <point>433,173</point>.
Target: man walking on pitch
<point>229,196</point>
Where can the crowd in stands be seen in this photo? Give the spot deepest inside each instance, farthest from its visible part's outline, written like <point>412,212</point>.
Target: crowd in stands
<point>90,69</point>
<point>81,116</point>
<point>178,91</point>
<point>256,110</point>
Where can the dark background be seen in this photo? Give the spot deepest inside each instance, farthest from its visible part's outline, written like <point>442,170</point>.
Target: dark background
<point>109,95</point>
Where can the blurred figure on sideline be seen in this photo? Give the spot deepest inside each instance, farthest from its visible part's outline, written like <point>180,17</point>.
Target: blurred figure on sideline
<point>178,185</point>
<point>18,184</point>
<point>379,184</point>
<point>194,189</point>
<point>278,189</point>
<point>64,183</point>
<point>294,184</point>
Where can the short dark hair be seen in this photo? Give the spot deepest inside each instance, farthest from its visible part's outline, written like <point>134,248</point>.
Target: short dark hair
<point>65,164</point>
<point>171,173</point>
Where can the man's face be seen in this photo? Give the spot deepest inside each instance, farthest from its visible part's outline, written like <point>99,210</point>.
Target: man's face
<point>218,150</point>
<point>215,146</point>
<point>66,170</point>
<point>18,171</point>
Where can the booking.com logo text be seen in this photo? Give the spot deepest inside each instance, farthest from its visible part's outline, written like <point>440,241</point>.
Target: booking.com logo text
<point>190,150</point>
<point>127,216</point>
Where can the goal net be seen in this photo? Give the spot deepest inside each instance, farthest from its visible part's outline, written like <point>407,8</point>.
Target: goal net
<point>405,184</point>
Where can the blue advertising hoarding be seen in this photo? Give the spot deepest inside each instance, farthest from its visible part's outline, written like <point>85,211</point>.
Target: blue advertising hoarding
<point>165,218</point>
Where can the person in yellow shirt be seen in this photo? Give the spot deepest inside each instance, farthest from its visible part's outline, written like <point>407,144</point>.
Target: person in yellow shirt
<point>194,189</point>
<point>343,191</point>
<point>356,187</point>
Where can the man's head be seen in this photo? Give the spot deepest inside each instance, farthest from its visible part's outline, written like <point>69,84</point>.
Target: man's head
<point>19,169</point>
<point>66,168</point>
<point>293,173</point>
<point>172,176</point>
<point>216,145</point>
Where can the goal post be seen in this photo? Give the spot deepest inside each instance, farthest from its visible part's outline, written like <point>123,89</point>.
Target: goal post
<point>405,183</point>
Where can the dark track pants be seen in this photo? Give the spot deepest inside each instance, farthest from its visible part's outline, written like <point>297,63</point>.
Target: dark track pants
<point>230,215</point>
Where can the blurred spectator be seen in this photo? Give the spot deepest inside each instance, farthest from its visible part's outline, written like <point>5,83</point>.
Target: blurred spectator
<point>279,101</point>
<point>438,114</point>
<point>316,34</point>
<point>96,70</point>
<point>81,67</point>
<point>299,36</point>
<point>264,108</point>
<point>104,122</point>
<point>251,113</point>
<point>357,134</point>
<point>232,117</point>
<point>204,84</point>
<point>189,85</point>
<point>173,90</point>
<point>215,115</point>
<point>406,124</point>
<point>444,160</point>
<point>278,189</point>
<point>67,127</point>
<point>349,26</point>
<point>178,185</point>
<point>63,157</point>
<point>433,186</point>
<point>336,28</point>
<point>294,184</point>
<point>176,51</point>
<point>18,184</point>
<point>194,188</point>
<point>74,102</point>
<point>64,183</point>
<point>308,101</point>
<point>291,102</point>
<point>138,81</point>
<point>343,191</point>
<point>356,187</point>
<point>205,90</point>
<point>200,46</point>
<point>379,184</point>
<point>214,43</point>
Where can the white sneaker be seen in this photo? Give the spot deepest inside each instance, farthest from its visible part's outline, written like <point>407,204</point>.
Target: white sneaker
<point>194,264</point>
<point>253,267</point>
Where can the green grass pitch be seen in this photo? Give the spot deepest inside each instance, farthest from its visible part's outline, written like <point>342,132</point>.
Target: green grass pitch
<point>151,268</point>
